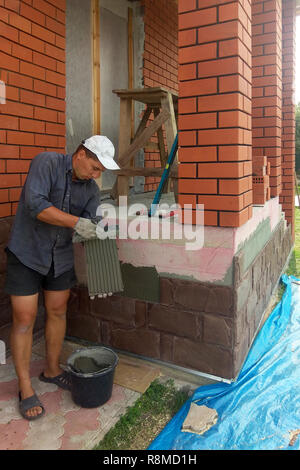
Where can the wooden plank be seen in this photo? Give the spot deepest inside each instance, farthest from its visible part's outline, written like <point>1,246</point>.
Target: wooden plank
<point>161,143</point>
<point>134,375</point>
<point>162,151</point>
<point>145,95</point>
<point>143,138</point>
<point>130,64</point>
<point>143,122</point>
<point>130,78</point>
<point>95,21</point>
<point>96,65</point>
<point>144,172</point>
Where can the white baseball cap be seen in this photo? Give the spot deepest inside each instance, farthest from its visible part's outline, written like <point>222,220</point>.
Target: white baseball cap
<point>104,149</point>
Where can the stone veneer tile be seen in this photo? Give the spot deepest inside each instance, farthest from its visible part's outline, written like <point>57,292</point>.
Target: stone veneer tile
<point>204,357</point>
<point>218,330</point>
<point>139,341</point>
<point>171,320</point>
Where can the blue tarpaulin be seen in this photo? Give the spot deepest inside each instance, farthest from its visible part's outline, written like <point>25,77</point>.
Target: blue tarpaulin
<point>261,409</point>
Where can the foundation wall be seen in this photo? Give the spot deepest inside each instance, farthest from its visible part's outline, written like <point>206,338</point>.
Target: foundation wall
<point>204,326</point>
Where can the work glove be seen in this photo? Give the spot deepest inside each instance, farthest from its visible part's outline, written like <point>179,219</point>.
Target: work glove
<point>104,230</point>
<point>86,229</point>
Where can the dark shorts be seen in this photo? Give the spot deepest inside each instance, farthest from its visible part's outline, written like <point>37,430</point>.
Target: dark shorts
<point>21,280</point>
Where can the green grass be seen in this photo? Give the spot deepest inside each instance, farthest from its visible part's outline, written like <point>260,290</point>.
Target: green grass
<point>145,419</point>
<point>294,264</point>
<point>293,268</point>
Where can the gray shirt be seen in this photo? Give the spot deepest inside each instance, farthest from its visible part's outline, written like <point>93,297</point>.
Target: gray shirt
<point>49,183</point>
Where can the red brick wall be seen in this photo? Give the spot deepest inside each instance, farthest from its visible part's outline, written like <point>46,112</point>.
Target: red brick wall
<point>160,58</point>
<point>32,54</point>
<point>215,109</point>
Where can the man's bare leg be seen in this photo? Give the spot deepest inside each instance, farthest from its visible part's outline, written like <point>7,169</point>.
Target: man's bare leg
<point>24,310</point>
<point>56,308</point>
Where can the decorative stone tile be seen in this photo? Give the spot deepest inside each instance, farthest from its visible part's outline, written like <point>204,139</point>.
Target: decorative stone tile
<point>220,300</point>
<point>140,341</point>
<point>9,411</point>
<point>67,403</point>
<point>85,441</point>
<point>13,434</point>
<point>218,330</point>
<point>45,433</point>
<point>176,321</point>
<point>208,358</point>
<point>7,372</point>
<point>84,326</point>
<point>166,291</point>
<point>8,390</point>
<point>42,387</point>
<point>77,424</point>
<point>191,295</point>
<point>52,401</point>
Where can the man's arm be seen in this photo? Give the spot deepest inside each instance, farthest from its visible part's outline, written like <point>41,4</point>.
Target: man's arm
<point>83,227</point>
<point>53,216</point>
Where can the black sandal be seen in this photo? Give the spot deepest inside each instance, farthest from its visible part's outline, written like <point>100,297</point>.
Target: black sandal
<point>27,404</point>
<point>62,380</point>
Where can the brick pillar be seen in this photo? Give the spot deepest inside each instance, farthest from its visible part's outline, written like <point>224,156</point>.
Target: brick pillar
<point>267,85</point>
<point>32,120</point>
<point>287,197</point>
<point>215,109</point>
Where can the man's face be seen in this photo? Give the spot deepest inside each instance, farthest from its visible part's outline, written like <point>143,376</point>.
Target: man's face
<point>86,168</point>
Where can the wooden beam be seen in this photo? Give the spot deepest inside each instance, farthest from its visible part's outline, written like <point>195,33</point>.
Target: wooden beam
<point>143,138</point>
<point>95,26</point>
<point>145,172</point>
<point>96,65</point>
<point>124,143</point>
<point>143,122</point>
<point>130,64</point>
<point>130,79</point>
<point>161,142</point>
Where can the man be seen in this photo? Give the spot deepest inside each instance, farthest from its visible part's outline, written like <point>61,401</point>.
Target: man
<point>59,197</point>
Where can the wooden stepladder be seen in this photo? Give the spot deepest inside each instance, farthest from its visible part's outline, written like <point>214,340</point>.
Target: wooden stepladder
<point>163,104</point>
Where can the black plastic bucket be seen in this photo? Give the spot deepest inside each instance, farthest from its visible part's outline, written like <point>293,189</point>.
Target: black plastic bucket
<point>91,389</point>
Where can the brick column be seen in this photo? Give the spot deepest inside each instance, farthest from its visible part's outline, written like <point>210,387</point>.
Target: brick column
<point>267,85</point>
<point>215,109</point>
<point>32,120</point>
<point>287,197</point>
